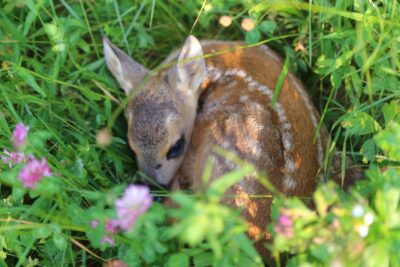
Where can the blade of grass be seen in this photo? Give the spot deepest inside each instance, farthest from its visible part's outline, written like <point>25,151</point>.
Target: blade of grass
<point>89,29</point>
<point>281,79</point>
<point>121,25</point>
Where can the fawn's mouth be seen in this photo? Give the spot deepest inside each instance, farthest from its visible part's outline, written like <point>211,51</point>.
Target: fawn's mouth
<point>154,181</point>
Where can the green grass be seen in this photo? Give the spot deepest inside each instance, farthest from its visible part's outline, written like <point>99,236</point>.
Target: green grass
<point>54,79</point>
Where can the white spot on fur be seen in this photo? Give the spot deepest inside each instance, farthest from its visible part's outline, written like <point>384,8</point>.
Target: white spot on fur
<point>286,126</point>
<point>226,145</point>
<point>289,183</point>
<point>254,124</point>
<point>214,73</point>
<point>236,72</point>
<point>254,147</point>
<point>290,164</point>
<point>243,98</point>
<point>252,84</point>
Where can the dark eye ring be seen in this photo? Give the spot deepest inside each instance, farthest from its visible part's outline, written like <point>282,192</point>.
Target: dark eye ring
<point>177,149</point>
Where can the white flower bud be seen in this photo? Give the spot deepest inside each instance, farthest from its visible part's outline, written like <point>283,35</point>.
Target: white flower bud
<point>357,211</point>
<point>368,218</point>
<point>363,230</point>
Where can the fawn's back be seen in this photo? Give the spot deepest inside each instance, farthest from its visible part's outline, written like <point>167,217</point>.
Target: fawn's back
<point>235,113</point>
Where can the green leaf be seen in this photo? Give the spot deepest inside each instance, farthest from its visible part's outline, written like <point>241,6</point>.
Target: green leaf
<point>245,261</point>
<point>376,254</point>
<point>76,214</point>
<point>41,232</point>
<point>342,59</point>
<point>368,150</point>
<point>59,241</point>
<point>178,259</point>
<point>323,65</point>
<point>326,65</point>
<point>148,253</point>
<point>219,186</point>
<point>252,36</point>
<point>356,81</point>
<point>247,247</point>
<point>29,79</point>
<point>320,252</point>
<point>160,248</point>
<point>388,140</point>
<point>18,193</point>
<point>203,260</point>
<point>320,203</point>
<point>8,7</point>
<point>359,123</point>
<point>37,139</point>
<point>267,26</point>
<point>324,197</point>
<point>29,20</point>
<point>391,112</point>
<point>143,37</point>
<point>386,204</point>
<point>195,234</point>
<point>337,78</point>
<point>129,254</point>
<point>47,186</point>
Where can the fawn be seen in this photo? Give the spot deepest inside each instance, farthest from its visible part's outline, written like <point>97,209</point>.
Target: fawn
<point>182,112</point>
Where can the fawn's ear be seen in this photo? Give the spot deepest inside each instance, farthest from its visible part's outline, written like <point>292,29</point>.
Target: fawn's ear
<point>128,72</point>
<point>191,73</point>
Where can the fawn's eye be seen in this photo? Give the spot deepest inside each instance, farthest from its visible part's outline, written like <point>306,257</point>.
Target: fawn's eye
<point>177,149</point>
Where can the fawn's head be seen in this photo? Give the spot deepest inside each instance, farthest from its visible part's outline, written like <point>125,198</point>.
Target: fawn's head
<point>162,111</point>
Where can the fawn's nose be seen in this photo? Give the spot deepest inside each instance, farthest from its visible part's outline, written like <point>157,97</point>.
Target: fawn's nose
<point>154,181</point>
<point>152,174</point>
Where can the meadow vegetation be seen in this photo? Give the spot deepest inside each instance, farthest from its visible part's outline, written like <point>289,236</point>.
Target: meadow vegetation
<point>60,188</point>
